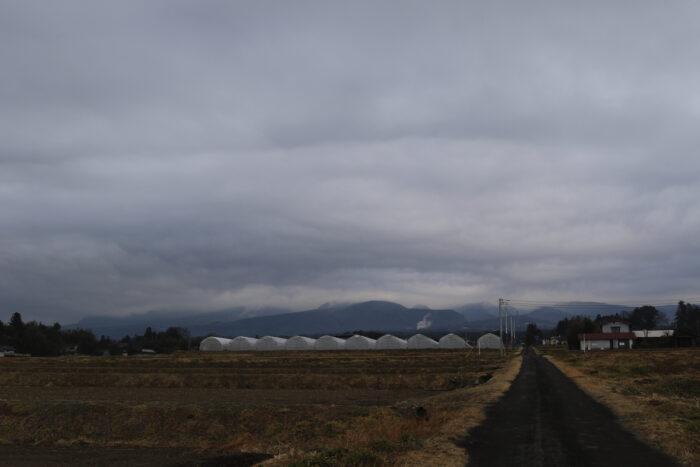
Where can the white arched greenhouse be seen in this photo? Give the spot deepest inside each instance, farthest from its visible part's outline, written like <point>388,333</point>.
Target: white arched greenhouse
<point>358,342</point>
<point>419,341</point>
<point>242,343</point>
<point>329,343</point>
<point>489,341</point>
<point>299,343</point>
<point>214,344</point>
<point>453,341</point>
<point>270,343</point>
<point>389,342</point>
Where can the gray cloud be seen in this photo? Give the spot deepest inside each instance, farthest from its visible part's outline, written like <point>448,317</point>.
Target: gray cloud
<point>173,154</point>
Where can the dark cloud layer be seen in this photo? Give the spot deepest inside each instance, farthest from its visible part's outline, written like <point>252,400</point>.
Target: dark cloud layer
<point>211,154</point>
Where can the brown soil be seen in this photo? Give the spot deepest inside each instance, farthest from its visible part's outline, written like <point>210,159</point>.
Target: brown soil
<point>228,408</point>
<point>32,456</point>
<point>203,396</point>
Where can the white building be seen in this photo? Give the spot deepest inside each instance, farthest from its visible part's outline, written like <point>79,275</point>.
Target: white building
<point>419,341</point>
<point>615,335</point>
<point>489,341</point>
<point>653,333</point>
<point>242,343</point>
<point>358,342</point>
<point>389,342</point>
<point>299,343</point>
<point>329,343</point>
<point>270,343</point>
<point>214,344</point>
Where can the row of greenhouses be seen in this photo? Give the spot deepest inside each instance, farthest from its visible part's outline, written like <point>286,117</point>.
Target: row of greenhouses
<point>356,342</point>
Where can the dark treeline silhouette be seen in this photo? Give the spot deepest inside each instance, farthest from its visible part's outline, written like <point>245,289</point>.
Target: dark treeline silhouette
<point>40,340</point>
<point>532,334</point>
<point>688,319</point>
<point>572,327</point>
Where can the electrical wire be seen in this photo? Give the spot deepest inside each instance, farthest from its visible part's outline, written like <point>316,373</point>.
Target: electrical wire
<point>593,305</point>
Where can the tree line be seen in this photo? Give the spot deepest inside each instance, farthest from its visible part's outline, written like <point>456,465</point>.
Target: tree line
<point>40,340</point>
<point>686,322</point>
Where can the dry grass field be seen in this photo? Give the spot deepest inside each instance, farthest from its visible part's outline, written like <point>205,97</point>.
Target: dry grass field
<point>305,408</point>
<point>655,392</point>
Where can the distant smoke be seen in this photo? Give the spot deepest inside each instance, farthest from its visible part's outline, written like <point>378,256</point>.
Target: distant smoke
<point>424,323</point>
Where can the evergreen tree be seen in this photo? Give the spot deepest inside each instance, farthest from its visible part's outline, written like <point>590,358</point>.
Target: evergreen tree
<point>532,334</point>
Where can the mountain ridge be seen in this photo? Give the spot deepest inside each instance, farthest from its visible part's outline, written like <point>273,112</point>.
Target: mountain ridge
<point>338,317</point>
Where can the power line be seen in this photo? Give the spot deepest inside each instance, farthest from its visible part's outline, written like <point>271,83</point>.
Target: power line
<point>592,305</point>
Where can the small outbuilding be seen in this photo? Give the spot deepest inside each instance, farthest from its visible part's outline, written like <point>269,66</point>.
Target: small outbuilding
<point>242,343</point>
<point>214,344</point>
<point>489,341</point>
<point>606,340</point>
<point>389,342</point>
<point>453,341</point>
<point>270,343</point>
<point>419,341</point>
<point>358,342</point>
<point>329,343</point>
<point>653,333</point>
<point>299,343</point>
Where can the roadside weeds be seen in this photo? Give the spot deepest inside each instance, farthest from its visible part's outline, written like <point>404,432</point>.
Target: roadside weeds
<point>468,410</point>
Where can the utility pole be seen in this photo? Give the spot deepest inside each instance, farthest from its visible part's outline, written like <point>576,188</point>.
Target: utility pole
<point>500,324</point>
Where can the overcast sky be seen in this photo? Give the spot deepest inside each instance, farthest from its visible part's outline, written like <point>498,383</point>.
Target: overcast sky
<point>208,154</point>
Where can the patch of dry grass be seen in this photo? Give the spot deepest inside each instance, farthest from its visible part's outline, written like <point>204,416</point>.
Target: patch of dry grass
<point>463,410</point>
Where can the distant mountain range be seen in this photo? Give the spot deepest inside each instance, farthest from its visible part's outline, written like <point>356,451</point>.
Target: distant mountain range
<point>199,323</point>
<point>334,318</point>
<point>327,319</point>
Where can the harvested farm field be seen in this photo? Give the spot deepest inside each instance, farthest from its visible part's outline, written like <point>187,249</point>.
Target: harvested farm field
<point>193,408</point>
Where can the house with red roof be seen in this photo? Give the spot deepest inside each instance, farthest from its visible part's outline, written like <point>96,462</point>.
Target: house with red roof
<point>615,335</point>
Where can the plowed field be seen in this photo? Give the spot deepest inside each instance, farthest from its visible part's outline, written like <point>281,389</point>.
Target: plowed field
<point>189,407</point>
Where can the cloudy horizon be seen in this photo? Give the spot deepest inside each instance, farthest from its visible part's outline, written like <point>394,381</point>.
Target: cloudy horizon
<point>205,155</point>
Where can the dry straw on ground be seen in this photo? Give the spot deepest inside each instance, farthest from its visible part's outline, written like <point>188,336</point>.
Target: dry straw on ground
<point>467,409</point>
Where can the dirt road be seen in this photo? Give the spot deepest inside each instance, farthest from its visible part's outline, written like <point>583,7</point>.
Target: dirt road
<point>545,419</point>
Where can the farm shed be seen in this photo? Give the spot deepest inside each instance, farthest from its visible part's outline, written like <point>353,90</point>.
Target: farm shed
<point>329,343</point>
<point>299,343</point>
<point>419,341</point>
<point>358,342</point>
<point>653,333</point>
<point>214,344</point>
<point>453,341</point>
<point>270,343</point>
<point>242,343</point>
<point>389,342</point>
<point>606,340</point>
<point>489,341</point>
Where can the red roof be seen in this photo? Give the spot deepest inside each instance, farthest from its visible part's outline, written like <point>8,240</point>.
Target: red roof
<point>599,336</point>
